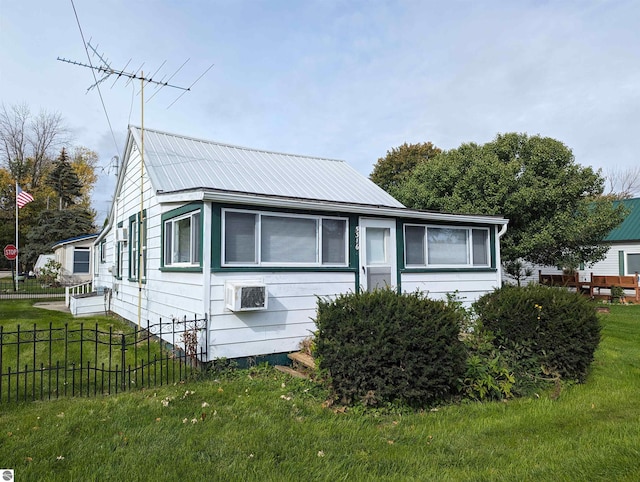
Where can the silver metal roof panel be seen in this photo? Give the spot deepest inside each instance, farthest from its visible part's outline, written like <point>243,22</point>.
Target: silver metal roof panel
<point>177,163</point>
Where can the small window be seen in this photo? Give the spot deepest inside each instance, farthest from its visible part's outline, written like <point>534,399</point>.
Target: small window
<point>81,260</point>
<point>182,240</point>
<point>415,247</point>
<point>334,241</point>
<point>633,263</point>
<point>103,252</point>
<point>120,259</point>
<point>240,238</point>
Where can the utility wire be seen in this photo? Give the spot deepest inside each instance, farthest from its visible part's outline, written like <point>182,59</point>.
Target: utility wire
<point>104,107</point>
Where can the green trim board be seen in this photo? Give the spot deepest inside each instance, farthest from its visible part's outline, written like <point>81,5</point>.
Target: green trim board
<point>400,224</point>
<point>174,213</point>
<point>141,230</point>
<point>216,241</point>
<point>621,263</point>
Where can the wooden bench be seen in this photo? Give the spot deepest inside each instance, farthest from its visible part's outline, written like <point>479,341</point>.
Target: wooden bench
<point>565,280</point>
<point>630,282</point>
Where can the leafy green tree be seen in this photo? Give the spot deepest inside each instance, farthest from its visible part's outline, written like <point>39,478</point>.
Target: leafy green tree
<point>557,213</point>
<point>391,170</point>
<point>64,181</point>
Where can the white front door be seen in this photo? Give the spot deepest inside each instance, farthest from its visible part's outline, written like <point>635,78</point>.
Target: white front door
<point>377,253</point>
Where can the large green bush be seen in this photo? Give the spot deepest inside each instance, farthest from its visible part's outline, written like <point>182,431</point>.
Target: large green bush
<point>557,328</point>
<point>384,347</point>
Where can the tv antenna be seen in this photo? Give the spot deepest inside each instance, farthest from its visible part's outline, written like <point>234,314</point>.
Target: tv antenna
<point>104,68</point>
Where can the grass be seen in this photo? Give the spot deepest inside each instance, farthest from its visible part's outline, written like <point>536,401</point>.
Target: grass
<point>31,286</point>
<point>260,425</point>
<point>75,355</point>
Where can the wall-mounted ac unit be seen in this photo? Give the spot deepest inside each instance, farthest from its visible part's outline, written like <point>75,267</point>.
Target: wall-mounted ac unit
<point>246,296</point>
<point>121,235</point>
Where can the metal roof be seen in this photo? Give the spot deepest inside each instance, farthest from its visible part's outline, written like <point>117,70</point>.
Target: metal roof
<point>75,238</point>
<point>177,163</point>
<point>629,229</point>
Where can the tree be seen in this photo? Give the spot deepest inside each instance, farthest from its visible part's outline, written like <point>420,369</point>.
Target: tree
<point>64,181</point>
<point>390,171</point>
<point>28,142</point>
<point>53,226</point>
<point>84,162</point>
<point>557,213</point>
<point>623,183</point>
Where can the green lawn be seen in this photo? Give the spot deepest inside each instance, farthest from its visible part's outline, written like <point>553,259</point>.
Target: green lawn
<point>76,355</point>
<point>261,425</point>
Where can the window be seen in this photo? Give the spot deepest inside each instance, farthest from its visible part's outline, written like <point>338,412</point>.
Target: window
<point>120,259</point>
<point>252,238</point>
<point>103,252</point>
<point>444,246</point>
<point>137,245</point>
<point>182,240</point>
<point>81,260</point>
<point>633,263</point>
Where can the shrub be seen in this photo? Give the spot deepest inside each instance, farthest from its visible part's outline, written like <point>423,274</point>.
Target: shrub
<point>384,347</point>
<point>488,375</point>
<point>558,328</point>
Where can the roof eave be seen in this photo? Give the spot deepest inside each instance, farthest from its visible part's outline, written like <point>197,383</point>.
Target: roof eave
<point>318,205</point>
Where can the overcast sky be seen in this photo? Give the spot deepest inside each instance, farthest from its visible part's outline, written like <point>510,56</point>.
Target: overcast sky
<point>339,79</point>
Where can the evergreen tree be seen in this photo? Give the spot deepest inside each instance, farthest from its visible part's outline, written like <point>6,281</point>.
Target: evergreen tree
<point>54,226</point>
<point>64,181</point>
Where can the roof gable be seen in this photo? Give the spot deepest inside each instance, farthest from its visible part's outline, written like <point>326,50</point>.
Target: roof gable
<point>176,163</point>
<point>629,229</point>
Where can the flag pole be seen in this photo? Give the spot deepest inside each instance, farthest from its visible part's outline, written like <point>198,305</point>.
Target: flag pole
<point>15,284</point>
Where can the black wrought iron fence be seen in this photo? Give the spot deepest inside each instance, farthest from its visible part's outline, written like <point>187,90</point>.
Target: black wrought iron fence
<point>28,288</point>
<point>44,363</point>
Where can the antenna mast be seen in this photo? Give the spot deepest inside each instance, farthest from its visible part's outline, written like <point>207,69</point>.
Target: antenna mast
<point>107,71</point>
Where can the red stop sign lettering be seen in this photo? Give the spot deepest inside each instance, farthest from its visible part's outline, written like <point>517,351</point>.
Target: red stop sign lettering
<point>10,252</point>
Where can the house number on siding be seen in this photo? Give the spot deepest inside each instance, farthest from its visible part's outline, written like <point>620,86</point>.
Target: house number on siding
<point>357,238</point>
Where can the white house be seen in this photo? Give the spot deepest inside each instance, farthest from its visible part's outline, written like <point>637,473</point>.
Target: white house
<point>75,256</point>
<point>250,239</point>
<point>623,256</point>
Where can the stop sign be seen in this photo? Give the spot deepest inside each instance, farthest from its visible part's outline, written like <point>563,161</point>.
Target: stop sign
<point>10,252</point>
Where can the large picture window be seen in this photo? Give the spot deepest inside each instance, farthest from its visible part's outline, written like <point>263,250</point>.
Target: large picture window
<point>253,238</point>
<point>446,246</point>
<point>182,240</point>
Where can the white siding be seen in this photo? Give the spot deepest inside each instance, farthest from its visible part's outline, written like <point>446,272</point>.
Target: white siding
<point>288,320</point>
<point>470,285</point>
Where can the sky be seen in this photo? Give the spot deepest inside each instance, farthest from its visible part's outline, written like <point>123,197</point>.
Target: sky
<point>342,79</point>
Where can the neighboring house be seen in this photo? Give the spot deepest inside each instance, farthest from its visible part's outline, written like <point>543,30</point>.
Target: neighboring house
<point>42,260</point>
<point>250,239</point>
<point>623,257</point>
<point>75,256</point>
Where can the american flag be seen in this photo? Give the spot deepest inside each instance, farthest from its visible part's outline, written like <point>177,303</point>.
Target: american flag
<point>23,197</point>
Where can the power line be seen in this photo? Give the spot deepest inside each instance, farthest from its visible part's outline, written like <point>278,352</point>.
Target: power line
<point>104,107</point>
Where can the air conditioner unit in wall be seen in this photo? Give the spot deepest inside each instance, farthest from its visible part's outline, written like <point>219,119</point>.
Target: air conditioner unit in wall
<point>121,235</point>
<point>246,296</point>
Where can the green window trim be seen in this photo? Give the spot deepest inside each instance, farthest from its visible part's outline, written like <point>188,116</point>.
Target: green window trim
<point>216,242</point>
<point>118,255</point>
<point>400,248</point>
<point>177,213</point>
<point>141,231</point>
